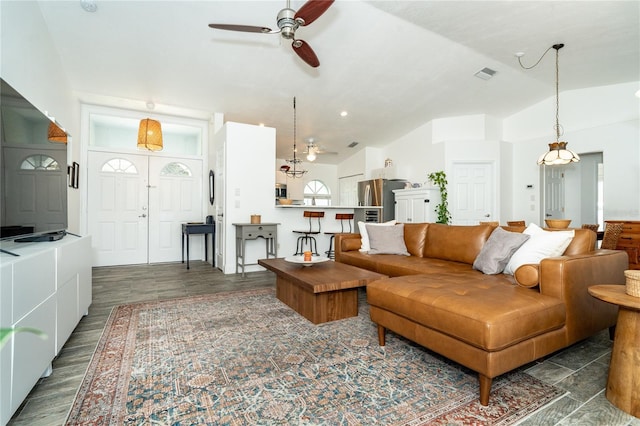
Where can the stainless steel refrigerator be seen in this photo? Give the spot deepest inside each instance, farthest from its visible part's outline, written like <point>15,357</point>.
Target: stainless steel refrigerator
<point>378,193</point>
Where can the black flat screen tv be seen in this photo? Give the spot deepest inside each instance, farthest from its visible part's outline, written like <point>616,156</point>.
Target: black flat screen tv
<point>33,173</point>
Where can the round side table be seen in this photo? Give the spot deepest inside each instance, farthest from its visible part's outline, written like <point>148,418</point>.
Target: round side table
<point>623,382</point>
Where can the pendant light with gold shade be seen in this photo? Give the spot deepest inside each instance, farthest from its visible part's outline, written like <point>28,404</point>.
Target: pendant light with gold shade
<point>558,153</point>
<point>150,135</point>
<point>56,134</point>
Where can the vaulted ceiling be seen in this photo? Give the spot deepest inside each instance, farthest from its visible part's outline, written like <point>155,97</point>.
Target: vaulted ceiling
<point>393,65</point>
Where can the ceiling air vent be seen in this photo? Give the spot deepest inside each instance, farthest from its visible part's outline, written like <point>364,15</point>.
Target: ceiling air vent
<point>352,144</point>
<point>485,73</point>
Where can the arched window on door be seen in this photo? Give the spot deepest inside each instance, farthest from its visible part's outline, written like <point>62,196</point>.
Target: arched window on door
<point>119,165</point>
<point>39,162</point>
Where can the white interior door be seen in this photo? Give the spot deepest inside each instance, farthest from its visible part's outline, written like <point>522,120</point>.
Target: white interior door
<point>554,192</point>
<point>175,197</point>
<point>118,208</point>
<point>473,193</point>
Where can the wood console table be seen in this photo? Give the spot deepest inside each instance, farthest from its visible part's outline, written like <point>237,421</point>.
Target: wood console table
<point>623,382</point>
<point>198,228</point>
<point>253,231</point>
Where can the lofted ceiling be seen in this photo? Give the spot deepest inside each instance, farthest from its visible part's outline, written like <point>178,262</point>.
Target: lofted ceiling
<point>393,65</point>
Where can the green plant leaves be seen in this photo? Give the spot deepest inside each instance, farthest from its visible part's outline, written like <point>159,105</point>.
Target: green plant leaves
<point>5,333</point>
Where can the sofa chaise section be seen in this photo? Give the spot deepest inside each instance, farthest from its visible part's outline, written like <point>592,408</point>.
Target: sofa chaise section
<point>488,323</point>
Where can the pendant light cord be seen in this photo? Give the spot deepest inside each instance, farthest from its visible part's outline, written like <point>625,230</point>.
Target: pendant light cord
<point>557,47</point>
<point>557,92</point>
<point>536,64</point>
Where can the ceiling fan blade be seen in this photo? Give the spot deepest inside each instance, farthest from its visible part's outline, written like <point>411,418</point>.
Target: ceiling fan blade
<point>312,10</point>
<point>242,28</point>
<point>305,52</point>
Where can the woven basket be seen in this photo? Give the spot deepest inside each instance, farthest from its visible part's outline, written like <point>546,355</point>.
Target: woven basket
<point>633,282</point>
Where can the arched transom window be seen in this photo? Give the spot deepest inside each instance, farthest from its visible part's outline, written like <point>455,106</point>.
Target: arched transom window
<point>39,162</point>
<point>317,193</point>
<point>119,165</point>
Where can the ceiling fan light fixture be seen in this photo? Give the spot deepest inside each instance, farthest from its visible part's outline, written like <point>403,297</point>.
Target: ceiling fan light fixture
<point>311,156</point>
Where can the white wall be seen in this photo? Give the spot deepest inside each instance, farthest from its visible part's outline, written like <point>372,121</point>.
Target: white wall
<point>599,119</point>
<point>250,153</point>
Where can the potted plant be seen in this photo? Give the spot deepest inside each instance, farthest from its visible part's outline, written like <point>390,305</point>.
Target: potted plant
<point>439,179</point>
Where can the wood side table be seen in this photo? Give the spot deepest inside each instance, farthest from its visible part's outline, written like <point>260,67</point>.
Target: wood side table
<point>623,383</point>
<point>253,231</point>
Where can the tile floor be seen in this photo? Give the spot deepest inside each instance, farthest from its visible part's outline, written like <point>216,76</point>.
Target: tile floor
<point>581,369</point>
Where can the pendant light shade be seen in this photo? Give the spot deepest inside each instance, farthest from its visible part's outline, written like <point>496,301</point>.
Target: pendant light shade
<point>56,134</point>
<point>150,135</point>
<point>558,154</point>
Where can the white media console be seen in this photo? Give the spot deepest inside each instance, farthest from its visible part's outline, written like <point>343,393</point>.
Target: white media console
<point>47,287</point>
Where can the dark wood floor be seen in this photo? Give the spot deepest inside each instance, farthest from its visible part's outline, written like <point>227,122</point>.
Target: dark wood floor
<point>581,369</point>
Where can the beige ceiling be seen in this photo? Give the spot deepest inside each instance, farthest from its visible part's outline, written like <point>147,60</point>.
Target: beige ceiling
<point>393,65</point>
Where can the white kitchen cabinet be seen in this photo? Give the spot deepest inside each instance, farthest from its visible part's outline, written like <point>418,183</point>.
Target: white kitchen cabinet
<point>416,205</point>
<point>47,287</point>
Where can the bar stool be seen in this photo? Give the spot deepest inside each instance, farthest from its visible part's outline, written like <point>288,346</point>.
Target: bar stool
<point>307,235</point>
<point>342,217</point>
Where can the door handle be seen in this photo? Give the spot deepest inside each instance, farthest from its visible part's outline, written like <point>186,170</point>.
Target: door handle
<point>143,215</point>
<point>487,215</point>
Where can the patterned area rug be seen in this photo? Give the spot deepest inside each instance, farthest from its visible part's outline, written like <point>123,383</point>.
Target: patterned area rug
<point>245,358</point>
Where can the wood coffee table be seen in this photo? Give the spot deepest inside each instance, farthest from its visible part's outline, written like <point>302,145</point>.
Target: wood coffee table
<point>323,292</point>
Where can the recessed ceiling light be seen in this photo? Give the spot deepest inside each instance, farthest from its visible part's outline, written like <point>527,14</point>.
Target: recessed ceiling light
<point>89,5</point>
<point>485,73</point>
<point>344,114</point>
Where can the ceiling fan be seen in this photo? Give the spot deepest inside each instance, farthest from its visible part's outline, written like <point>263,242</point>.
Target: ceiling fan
<point>288,22</point>
<point>313,149</point>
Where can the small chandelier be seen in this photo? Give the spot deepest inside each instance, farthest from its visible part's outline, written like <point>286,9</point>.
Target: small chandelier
<point>150,135</point>
<point>56,134</point>
<point>293,172</point>
<point>558,153</point>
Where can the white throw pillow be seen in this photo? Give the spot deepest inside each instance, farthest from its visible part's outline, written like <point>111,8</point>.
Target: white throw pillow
<point>540,245</point>
<point>364,235</point>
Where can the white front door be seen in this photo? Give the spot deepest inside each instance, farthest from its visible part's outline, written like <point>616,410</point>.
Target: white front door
<point>25,173</point>
<point>118,208</point>
<point>137,204</point>
<point>175,197</point>
<point>472,193</point>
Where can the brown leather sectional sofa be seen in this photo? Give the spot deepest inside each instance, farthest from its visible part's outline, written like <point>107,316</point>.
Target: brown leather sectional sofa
<point>488,323</point>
